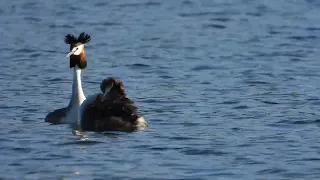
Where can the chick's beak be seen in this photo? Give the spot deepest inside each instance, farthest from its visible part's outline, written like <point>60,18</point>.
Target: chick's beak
<point>107,90</point>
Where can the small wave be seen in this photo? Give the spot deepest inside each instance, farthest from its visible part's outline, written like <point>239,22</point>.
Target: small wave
<point>80,142</point>
<point>150,57</point>
<point>111,24</point>
<point>306,159</point>
<point>255,14</point>
<point>27,50</point>
<point>302,38</point>
<point>200,14</point>
<point>241,107</point>
<point>186,2</point>
<point>31,110</point>
<point>35,55</point>
<point>181,138</point>
<point>205,82</point>
<point>271,171</point>
<point>150,39</point>
<point>296,60</point>
<point>201,67</point>
<point>100,4</point>
<point>138,65</point>
<point>313,29</point>
<point>221,19</point>
<point>55,80</point>
<point>256,82</point>
<point>216,26</point>
<point>53,26</point>
<point>140,4</point>
<point>11,107</point>
<point>166,77</point>
<point>230,102</point>
<point>296,122</point>
<point>196,14</point>
<point>193,151</point>
<point>267,102</point>
<point>190,124</point>
<point>32,19</point>
<point>22,149</point>
<point>104,24</point>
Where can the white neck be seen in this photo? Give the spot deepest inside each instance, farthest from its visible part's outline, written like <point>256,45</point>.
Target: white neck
<point>77,96</point>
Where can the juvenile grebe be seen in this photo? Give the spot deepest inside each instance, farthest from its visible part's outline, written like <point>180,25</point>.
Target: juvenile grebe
<point>112,110</point>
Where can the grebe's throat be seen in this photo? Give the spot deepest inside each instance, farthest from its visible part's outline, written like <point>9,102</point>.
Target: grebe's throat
<point>77,93</point>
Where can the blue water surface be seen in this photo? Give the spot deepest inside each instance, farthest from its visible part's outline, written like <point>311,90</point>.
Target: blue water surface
<point>230,88</point>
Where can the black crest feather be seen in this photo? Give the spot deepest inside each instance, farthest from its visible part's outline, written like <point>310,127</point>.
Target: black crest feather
<point>83,38</point>
<point>70,39</point>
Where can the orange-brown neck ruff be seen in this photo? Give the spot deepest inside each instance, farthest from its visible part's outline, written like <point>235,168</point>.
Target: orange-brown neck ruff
<point>79,60</point>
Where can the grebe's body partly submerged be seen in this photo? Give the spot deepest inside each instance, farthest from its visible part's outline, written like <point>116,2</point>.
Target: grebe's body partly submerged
<point>110,111</point>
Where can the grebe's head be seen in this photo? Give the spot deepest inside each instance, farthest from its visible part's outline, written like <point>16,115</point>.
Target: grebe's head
<point>112,87</point>
<point>77,54</point>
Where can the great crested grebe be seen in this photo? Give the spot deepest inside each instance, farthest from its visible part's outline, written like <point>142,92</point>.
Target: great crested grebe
<point>110,111</point>
<point>77,62</point>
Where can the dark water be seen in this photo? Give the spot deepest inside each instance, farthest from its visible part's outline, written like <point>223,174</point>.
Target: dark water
<point>230,88</point>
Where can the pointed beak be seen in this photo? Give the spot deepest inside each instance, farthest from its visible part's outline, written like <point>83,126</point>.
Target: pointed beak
<point>72,51</point>
<point>107,90</point>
